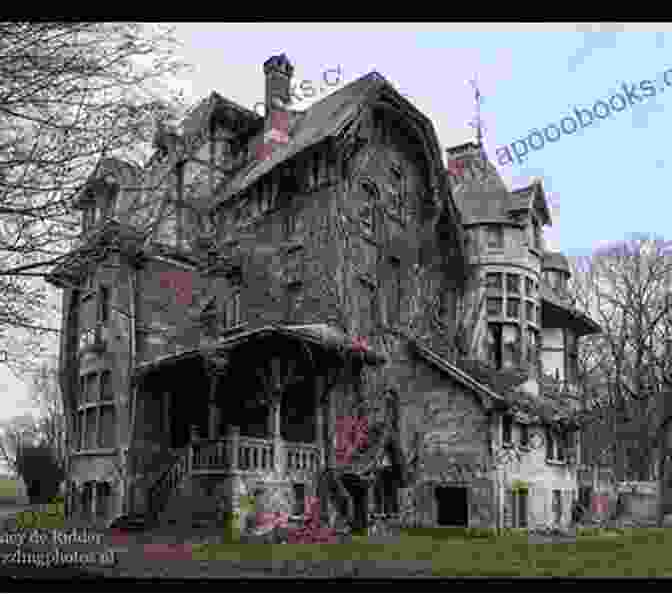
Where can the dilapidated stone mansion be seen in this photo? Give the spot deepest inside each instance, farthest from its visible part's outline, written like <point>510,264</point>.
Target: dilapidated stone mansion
<point>261,278</point>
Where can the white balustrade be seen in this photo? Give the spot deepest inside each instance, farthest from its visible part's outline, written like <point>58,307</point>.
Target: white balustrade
<point>253,455</point>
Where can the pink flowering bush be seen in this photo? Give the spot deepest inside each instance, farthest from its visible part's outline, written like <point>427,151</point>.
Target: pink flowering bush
<point>351,434</point>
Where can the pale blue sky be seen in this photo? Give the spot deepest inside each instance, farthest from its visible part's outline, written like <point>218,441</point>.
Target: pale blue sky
<point>609,180</point>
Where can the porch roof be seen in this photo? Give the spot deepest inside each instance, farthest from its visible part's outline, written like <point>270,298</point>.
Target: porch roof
<point>324,335</point>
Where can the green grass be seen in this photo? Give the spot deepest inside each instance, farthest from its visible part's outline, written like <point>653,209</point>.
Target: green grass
<point>635,552</point>
<point>9,490</point>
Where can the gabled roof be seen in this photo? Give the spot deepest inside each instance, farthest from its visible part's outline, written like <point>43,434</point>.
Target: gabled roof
<point>324,335</point>
<point>327,118</point>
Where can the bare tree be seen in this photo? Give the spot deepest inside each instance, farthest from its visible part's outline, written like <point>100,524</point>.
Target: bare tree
<point>70,94</point>
<point>624,287</point>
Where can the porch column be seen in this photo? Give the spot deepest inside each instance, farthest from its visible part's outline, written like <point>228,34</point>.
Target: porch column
<point>213,413</point>
<point>319,416</point>
<point>166,418</point>
<point>278,445</point>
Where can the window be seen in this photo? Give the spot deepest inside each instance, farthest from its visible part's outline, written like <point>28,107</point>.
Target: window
<point>529,311</point>
<point>107,427</point>
<point>550,447</point>
<point>537,234</point>
<point>556,445</point>
<point>106,391</point>
<point>494,305</point>
<point>532,345</point>
<point>494,281</point>
<point>103,305</point>
<point>513,284</point>
<point>394,312</point>
<point>294,296</point>
<point>294,265</point>
<point>299,499</point>
<point>529,287</point>
<point>398,193</point>
<point>95,419</point>
<point>513,308</point>
<point>495,237</point>
<point>571,357</point>
<point>512,341</point>
<point>495,345</point>
<point>367,210</point>
<point>507,429</point>
<point>232,309</point>
<point>524,436</point>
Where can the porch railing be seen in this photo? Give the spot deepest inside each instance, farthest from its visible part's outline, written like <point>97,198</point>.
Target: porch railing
<point>254,454</point>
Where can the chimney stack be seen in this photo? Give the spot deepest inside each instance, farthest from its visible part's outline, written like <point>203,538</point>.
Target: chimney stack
<point>278,71</point>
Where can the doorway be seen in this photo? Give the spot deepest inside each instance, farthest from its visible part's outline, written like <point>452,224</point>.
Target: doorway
<point>452,505</point>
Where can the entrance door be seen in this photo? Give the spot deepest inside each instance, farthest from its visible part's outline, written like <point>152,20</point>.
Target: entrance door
<point>452,506</point>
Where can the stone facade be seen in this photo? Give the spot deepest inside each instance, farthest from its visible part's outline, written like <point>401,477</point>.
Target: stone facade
<point>198,325</point>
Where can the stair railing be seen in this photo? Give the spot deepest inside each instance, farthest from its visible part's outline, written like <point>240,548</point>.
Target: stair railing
<point>167,483</point>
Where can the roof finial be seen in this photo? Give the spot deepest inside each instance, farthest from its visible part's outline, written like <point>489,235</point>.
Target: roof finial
<point>477,122</point>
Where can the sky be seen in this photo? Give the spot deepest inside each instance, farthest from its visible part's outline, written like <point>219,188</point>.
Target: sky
<point>605,181</point>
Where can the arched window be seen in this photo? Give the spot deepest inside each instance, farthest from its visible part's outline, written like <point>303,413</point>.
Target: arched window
<point>367,208</point>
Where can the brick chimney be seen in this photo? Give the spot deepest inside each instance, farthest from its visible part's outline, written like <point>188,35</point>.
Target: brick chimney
<point>278,71</point>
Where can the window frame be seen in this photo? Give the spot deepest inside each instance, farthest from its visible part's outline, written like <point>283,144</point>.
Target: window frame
<point>500,309</point>
<point>513,301</point>
<point>513,288</point>
<point>497,286</point>
<point>85,408</point>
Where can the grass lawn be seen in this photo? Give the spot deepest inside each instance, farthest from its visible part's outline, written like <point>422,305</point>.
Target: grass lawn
<point>635,552</point>
<point>9,490</point>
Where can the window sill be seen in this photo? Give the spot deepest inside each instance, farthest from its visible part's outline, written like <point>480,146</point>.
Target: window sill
<point>556,462</point>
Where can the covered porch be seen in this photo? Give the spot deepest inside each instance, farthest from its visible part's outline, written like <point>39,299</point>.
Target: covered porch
<point>254,403</point>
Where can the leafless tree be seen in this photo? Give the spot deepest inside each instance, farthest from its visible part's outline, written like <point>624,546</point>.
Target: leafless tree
<point>624,287</point>
<point>70,94</point>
